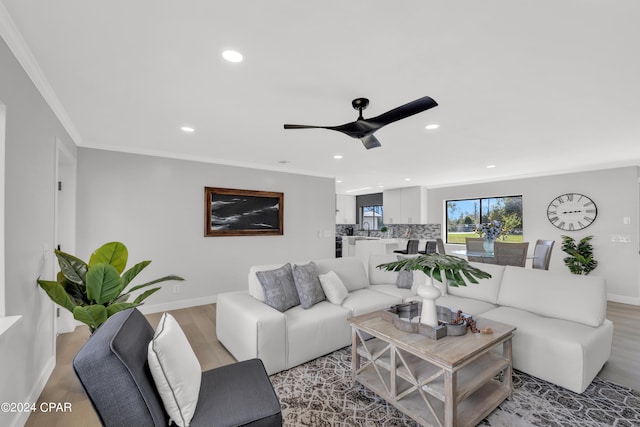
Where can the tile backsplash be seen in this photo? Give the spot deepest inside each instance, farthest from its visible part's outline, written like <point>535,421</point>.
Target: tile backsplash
<point>413,231</point>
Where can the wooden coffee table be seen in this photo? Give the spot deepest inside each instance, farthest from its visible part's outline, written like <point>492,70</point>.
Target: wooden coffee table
<point>453,381</point>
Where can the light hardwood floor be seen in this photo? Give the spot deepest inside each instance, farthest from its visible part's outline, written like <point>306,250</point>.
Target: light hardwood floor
<point>199,326</point>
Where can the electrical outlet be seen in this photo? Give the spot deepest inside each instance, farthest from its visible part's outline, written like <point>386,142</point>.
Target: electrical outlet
<point>176,289</point>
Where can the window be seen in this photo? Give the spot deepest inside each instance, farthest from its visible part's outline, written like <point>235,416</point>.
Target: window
<point>369,211</point>
<point>463,215</point>
<point>371,215</point>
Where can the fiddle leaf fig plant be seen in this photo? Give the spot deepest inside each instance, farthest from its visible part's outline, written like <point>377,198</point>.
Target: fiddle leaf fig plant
<point>438,266</point>
<point>96,290</point>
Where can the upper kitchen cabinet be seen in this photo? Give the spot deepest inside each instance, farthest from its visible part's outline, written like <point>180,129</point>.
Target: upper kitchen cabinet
<point>345,209</point>
<point>405,206</point>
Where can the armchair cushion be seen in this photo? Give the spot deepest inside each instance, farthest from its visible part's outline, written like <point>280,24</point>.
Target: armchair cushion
<point>175,370</point>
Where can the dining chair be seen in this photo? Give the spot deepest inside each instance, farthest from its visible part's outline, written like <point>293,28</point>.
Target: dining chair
<point>412,248</point>
<point>429,248</point>
<point>511,253</point>
<point>440,244</point>
<point>476,244</point>
<point>542,254</point>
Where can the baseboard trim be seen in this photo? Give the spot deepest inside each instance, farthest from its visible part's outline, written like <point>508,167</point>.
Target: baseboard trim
<point>623,299</point>
<point>22,417</point>
<point>176,305</point>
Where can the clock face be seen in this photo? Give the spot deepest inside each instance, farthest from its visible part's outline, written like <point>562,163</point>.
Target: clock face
<point>572,211</point>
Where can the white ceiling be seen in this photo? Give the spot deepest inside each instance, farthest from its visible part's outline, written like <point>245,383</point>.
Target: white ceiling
<point>532,87</point>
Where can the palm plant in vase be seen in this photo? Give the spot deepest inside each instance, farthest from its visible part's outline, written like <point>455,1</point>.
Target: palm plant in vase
<point>448,269</point>
<point>96,290</point>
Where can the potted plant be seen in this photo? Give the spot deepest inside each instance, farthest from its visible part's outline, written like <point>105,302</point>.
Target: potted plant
<point>491,231</point>
<point>385,230</point>
<point>580,259</point>
<point>447,269</point>
<point>96,290</point>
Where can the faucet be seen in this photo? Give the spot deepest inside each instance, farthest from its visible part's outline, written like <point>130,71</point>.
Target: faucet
<point>367,228</point>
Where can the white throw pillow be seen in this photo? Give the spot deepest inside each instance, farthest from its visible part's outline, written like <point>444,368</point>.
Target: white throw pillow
<point>333,288</point>
<point>175,370</point>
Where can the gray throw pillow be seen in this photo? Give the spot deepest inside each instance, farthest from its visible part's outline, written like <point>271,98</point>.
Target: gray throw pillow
<point>308,284</point>
<point>405,277</point>
<point>279,288</point>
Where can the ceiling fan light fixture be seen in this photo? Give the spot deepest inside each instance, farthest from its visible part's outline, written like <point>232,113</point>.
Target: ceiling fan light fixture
<point>232,56</point>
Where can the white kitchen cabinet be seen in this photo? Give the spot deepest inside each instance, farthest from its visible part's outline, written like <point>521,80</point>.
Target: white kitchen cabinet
<point>404,206</point>
<point>345,209</point>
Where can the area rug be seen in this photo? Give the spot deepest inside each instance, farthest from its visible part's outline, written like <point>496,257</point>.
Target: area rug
<point>319,393</point>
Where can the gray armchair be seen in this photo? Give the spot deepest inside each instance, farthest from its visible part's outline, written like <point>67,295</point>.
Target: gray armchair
<point>113,370</point>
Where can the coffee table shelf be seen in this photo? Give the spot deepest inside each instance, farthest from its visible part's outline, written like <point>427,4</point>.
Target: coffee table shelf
<point>456,381</point>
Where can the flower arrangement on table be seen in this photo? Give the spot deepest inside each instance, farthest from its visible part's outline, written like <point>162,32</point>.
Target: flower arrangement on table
<point>491,231</point>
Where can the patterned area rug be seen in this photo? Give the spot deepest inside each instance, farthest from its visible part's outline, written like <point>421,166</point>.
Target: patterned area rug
<point>319,393</point>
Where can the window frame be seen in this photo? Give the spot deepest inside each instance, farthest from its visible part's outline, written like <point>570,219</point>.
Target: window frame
<point>480,213</point>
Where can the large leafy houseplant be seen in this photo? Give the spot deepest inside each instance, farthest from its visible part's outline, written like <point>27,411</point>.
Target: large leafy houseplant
<point>96,290</point>
<point>438,266</point>
<point>580,259</point>
<point>447,269</point>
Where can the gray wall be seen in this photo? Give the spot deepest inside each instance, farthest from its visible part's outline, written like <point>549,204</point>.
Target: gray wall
<point>616,194</point>
<point>27,349</point>
<point>155,206</point>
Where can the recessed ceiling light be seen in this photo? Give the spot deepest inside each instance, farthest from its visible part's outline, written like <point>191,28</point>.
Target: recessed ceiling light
<point>491,166</point>
<point>284,162</point>
<point>358,189</point>
<point>432,126</point>
<point>407,179</point>
<point>337,156</point>
<point>380,186</point>
<point>339,181</point>
<point>187,129</point>
<point>232,56</point>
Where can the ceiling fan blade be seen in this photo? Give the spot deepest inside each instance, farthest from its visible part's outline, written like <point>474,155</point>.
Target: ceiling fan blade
<point>370,142</point>
<point>404,111</point>
<point>305,127</point>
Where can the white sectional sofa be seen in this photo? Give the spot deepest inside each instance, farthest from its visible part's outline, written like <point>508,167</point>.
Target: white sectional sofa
<point>562,334</point>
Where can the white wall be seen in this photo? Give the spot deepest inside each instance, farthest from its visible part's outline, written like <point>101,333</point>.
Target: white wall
<point>155,206</point>
<point>616,194</point>
<point>27,348</point>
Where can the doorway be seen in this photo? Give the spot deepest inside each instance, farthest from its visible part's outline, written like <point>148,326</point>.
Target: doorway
<point>65,219</point>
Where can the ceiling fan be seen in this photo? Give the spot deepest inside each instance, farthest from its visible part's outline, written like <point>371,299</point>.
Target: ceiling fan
<point>364,129</point>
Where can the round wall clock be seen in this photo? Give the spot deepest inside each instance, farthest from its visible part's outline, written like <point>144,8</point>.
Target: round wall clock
<point>572,212</point>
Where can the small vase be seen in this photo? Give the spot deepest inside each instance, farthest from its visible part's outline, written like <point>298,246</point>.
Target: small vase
<point>488,245</point>
<point>429,294</point>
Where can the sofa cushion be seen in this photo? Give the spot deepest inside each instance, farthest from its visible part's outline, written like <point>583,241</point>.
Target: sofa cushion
<point>255,288</point>
<point>404,279</point>
<point>333,288</point>
<point>467,305</point>
<point>308,284</point>
<point>319,330</point>
<point>279,288</point>
<point>175,370</point>
<point>365,301</point>
<point>566,353</point>
<point>486,289</point>
<point>405,294</point>
<point>349,269</point>
<point>378,276</point>
<point>564,296</point>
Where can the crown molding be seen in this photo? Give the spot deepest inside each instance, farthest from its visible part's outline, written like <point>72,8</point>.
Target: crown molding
<point>20,49</point>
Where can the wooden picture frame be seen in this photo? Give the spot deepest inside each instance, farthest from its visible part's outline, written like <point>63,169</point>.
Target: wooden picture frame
<point>231,212</point>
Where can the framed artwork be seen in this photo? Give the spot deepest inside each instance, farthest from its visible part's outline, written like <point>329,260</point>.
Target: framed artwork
<point>230,212</point>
